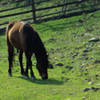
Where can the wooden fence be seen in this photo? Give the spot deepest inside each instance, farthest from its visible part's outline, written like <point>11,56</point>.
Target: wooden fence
<point>43,10</point>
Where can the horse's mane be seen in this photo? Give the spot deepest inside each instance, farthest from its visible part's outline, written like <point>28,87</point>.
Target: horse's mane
<point>33,41</point>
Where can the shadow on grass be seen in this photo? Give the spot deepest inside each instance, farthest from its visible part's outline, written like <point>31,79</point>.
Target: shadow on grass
<point>44,82</point>
<point>2,33</point>
<point>60,25</point>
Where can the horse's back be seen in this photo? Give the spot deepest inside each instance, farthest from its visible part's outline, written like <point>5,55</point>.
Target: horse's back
<point>14,34</point>
<point>23,37</point>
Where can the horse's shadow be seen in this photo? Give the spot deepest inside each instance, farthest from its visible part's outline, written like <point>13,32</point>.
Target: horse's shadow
<point>42,82</point>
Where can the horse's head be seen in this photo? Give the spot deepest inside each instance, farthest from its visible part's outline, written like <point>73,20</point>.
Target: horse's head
<point>42,65</point>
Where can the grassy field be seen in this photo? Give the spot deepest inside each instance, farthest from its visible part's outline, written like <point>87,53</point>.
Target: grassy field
<point>66,41</point>
<point>6,4</point>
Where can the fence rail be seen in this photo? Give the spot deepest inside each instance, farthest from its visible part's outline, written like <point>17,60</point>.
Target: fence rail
<point>34,9</point>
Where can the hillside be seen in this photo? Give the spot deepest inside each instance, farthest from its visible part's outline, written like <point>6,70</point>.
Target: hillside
<point>44,9</point>
<point>75,59</point>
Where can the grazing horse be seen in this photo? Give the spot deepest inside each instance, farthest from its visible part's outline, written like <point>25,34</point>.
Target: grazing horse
<point>22,36</point>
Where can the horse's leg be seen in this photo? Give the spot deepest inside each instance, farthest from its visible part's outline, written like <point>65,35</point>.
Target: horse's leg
<point>20,61</point>
<point>10,58</point>
<point>31,70</point>
<point>29,64</point>
<point>26,71</point>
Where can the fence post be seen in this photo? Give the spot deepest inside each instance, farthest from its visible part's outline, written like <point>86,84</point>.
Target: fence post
<point>33,10</point>
<point>64,7</point>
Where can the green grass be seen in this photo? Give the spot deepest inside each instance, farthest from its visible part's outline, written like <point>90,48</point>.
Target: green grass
<point>62,39</point>
<point>50,3</point>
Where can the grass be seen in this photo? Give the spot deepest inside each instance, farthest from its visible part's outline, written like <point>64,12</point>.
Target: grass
<point>29,15</point>
<point>63,39</point>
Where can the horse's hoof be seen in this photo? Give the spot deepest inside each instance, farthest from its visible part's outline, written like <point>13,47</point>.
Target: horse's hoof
<point>9,75</point>
<point>23,75</point>
<point>33,78</point>
<point>26,77</point>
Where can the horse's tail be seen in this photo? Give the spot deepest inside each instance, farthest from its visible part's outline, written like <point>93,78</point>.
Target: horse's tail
<point>10,48</point>
<point>10,25</point>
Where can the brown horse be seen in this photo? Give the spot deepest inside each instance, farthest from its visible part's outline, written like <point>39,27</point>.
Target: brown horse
<point>22,36</point>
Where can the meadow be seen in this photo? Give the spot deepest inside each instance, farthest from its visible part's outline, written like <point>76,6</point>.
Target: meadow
<point>76,62</point>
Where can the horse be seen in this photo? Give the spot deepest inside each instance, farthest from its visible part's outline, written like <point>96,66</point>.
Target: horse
<point>25,39</point>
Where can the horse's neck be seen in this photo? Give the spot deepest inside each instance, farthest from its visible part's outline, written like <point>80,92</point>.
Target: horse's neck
<point>39,56</point>
<point>39,48</point>
<point>39,51</point>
